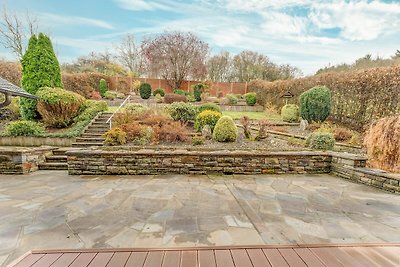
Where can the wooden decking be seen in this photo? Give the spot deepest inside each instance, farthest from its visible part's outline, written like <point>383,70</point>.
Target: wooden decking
<point>381,255</point>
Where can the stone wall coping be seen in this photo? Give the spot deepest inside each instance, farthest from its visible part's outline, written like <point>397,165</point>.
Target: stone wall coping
<point>351,156</point>
<point>198,152</point>
<point>19,150</point>
<point>380,173</point>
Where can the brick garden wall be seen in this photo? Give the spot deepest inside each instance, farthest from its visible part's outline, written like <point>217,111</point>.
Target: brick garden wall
<point>124,84</point>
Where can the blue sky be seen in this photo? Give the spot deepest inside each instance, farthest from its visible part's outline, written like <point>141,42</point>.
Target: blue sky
<point>309,34</point>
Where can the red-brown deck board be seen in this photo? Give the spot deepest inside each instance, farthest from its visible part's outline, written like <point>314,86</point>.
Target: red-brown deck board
<point>250,256</point>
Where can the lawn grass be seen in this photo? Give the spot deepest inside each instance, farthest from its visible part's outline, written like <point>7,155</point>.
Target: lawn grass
<point>113,109</point>
<point>236,115</point>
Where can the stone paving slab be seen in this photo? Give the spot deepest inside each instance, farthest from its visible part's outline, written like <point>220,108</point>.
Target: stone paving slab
<point>52,210</point>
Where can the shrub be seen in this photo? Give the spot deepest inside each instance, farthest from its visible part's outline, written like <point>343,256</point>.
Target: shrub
<point>290,113</point>
<point>103,87</point>
<point>251,99</point>
<point>207,117</point>
<point>159,98</point>
<point>382,143</point>
<point>120,95</point>
<point>315,104</point>
<point>24,128</point>
<point>246,123</point>
<point>180,92</point>
<point>321,141</point>
<point>198,140</point>
<point>191,98</point>
<point>171,98</point>
<point>133,130</point>
<point>342,134</point>
<point>95,95</point>
<point>209,106</point>
<point>262,130</point>
<point>145,90</point>
<point>115,137</point>
<point>198,89</point>
<point>89,110</point>
<point>58,107</point>
<point>40,68</point>
<point>110,95</point>
<point>232,99</point>
<point>135,108</point>
<point>182,111</point>
<point>159,91</point>
<point>173,131</point>
<point>136,85</point>
<point>225,130</point>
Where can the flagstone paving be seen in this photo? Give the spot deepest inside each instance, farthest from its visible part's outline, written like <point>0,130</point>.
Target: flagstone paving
<point>49,209</point>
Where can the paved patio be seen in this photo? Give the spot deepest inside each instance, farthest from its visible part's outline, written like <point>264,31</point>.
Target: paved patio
<point>48,209</point>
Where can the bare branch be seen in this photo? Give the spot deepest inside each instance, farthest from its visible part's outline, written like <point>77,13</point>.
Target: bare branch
<point>13,32</point>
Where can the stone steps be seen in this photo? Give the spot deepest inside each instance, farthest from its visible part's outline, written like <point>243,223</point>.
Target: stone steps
<point>93,135</point>
<point>57,166</point>
<point>86,144</point>
<point>56,158</point>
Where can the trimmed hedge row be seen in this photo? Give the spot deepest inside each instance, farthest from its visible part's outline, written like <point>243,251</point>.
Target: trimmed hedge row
<point>358,97</point>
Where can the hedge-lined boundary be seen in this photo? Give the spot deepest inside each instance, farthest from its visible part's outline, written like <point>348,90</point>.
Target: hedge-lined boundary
<point>358,97</point>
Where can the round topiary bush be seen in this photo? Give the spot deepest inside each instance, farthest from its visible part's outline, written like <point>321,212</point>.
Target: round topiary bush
<point>290,113</point>
<point>24,128</point>
<point>251,99</point>
<point>207,117</point>
<point>145,90</point>
<point>321,141</point>
<point>159,91</point>
<point>58,107</point>
<point>315,104</point>
<point>225,130</point>
<point>209,106</point>
<point>182,111</point>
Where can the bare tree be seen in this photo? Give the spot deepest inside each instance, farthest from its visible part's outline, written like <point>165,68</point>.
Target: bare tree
<point>220,68</point>
<point>249,65</point>
<point>13,30</point>
<point>130,55</point>
<point>176,56</point>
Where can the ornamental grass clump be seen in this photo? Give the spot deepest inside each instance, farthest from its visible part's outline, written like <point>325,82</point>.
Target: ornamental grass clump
<point>290,113</point>
<point>58,107</point>
<point>225,130</point>
<point>382,143</point>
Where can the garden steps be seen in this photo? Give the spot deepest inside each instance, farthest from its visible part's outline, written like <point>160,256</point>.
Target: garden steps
<point>56,161</point>
<point>93,134</point>
<point>58,166</point>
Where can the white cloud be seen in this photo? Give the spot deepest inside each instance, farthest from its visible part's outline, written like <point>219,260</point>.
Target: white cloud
<point>51,19</point>
<point>259,5</point>
<point>277,23</point>
<point>137,5</point>
<point>358,20</point>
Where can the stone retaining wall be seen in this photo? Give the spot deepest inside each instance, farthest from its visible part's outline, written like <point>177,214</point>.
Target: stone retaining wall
<point>353,168</point>
<point>196,162</point>
<point>182,161</point>
<point>22,160</point>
